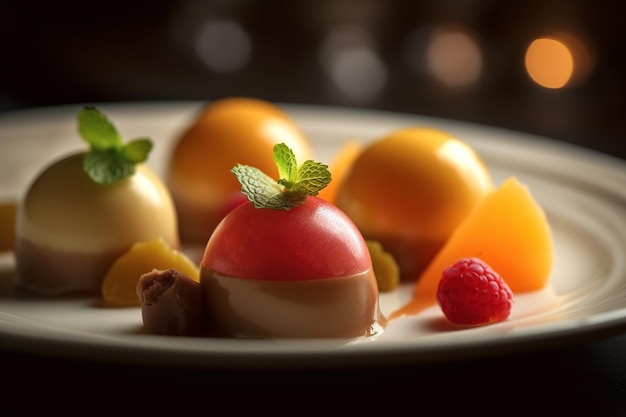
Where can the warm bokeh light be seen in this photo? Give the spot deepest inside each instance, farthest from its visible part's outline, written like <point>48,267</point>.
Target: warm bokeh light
<point>449,52</point>
<point>223,45</point>
<point>557,61</point>
<point>549,63</point>
<point>352,63</point>
<point>453,55</point>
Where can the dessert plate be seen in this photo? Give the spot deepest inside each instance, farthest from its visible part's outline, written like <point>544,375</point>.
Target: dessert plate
<point>582,192</point>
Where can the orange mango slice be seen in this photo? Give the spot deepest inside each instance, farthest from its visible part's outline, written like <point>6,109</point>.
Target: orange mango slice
<point>509,230</point>
<point>119,287</point>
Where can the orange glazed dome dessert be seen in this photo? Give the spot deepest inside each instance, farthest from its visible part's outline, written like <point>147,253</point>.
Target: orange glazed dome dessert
<point>410,190</point>
<point>225,133</point>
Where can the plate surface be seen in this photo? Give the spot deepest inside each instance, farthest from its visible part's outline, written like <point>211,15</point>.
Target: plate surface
<point>583,193</point>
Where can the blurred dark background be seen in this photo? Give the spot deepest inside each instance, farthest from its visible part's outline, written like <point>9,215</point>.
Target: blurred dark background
<point>553,68</point>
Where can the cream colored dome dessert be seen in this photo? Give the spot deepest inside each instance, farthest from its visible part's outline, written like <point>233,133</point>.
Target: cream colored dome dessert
<point>85,210</point>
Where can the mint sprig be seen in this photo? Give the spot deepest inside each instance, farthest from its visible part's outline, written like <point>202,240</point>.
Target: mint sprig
<point>109,160</point>
<point>293,186</point>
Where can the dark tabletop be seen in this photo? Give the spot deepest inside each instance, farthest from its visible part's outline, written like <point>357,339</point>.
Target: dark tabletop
<point>56,54</point>
<point>583,379</point>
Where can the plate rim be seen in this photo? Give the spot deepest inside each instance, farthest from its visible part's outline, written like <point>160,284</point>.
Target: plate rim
<point>607,323</point>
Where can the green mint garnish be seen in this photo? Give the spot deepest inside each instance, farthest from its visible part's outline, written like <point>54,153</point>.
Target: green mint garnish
<point>109,159</point>
<point>295,183</point>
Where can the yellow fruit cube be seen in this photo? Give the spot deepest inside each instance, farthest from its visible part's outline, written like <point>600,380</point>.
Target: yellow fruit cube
<point>120,282</point>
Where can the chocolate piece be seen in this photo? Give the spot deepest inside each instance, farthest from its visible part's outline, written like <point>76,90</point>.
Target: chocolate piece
<point>172,304</point>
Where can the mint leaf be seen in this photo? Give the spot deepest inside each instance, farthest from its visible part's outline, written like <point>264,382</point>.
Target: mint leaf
<point>285,162</point>
<point>106,166</point>
<point>137,150</point>
<point>311,177</point>
<point>109,160</point>
<point>261,189</point>
<point>97,130</point>
<point>295,184</point>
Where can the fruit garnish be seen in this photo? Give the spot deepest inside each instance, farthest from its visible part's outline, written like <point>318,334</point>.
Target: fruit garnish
<point>509,230</point>
<point>109,159</point>
<point>296,182</point>
<point>385,267</point>
<point>471,293</point>
<point>119,286</point>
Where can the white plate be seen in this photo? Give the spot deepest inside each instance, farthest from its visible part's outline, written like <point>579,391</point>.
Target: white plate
<point>583,193</point>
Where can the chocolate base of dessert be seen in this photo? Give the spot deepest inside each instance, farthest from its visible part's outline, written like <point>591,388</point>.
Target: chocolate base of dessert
<point>344,307</point>
<point>48,271</point>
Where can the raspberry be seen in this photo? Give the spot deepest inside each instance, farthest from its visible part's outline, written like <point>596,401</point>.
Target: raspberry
<point>470,292</point>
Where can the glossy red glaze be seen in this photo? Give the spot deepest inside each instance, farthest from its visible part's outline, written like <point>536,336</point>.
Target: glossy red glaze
<point>311,241</point>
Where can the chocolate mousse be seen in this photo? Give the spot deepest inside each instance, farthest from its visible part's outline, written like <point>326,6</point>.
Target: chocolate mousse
<point>339,307</point>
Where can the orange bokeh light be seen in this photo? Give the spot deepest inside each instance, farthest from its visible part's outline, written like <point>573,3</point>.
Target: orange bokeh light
<point>557,61</point>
